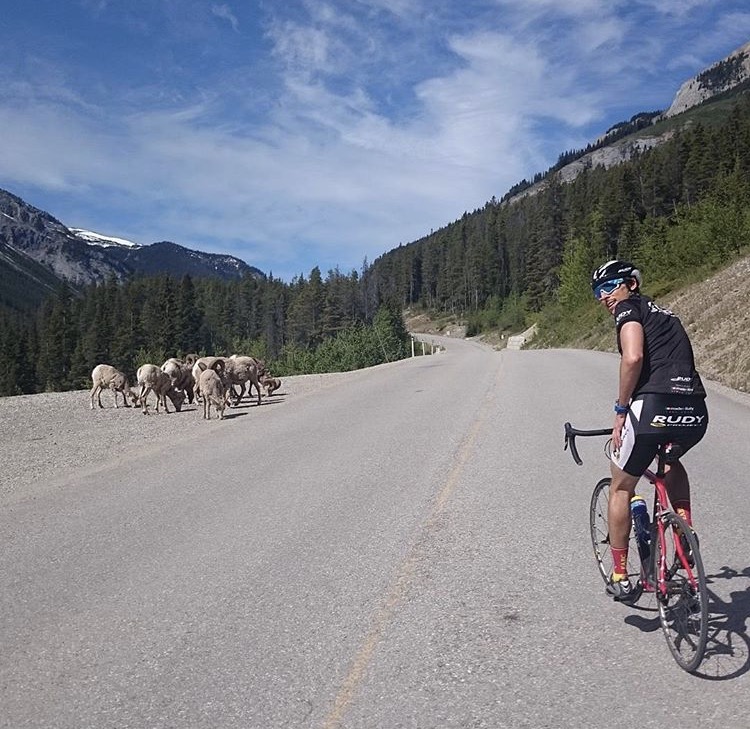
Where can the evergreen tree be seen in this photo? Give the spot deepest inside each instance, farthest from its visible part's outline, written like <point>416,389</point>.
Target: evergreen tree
<point>575,273</point>
<point>57,336</point>
<point>8,358</point>
<point>188,318</point>
<point>390,330</point>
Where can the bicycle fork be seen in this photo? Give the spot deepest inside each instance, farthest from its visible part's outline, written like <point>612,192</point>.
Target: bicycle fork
<point>656,574</point>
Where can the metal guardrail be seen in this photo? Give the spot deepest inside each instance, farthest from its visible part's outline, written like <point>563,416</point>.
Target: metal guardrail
<point>518,340</point>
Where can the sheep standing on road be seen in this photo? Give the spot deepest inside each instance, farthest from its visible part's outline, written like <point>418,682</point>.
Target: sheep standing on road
<point>105,376</point>
<point>262,371</point>
<point>270,383</point>
<point>181,374</point>
<point>151,378</point>
<point>241,370</point>
<point>212,388</point>
<point>210,363</point>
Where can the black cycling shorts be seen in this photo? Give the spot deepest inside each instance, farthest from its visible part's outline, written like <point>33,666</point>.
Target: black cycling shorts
<point>654,419</point>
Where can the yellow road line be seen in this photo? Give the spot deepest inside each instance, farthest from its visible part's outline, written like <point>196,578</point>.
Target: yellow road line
<point>406,571</point>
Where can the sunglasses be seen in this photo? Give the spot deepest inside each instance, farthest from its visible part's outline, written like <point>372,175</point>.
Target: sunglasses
<point>607,287</point>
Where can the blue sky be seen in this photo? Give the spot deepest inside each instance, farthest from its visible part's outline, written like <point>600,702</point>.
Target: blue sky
<point>295,133</point>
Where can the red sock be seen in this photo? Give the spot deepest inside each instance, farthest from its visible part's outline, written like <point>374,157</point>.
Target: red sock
<point>682,508</point>
<point>620,561</point>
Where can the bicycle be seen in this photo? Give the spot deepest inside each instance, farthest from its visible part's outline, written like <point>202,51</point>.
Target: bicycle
<point>669,563</point>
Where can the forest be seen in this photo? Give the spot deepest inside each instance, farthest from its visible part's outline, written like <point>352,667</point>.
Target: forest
<point>312,325</point>
<point>679,211</point>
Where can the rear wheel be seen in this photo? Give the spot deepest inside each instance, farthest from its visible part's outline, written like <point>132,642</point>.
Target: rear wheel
<point>599,527</point>
<point>681,591</point>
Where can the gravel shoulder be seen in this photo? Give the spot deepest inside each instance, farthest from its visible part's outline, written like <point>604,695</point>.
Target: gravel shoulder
<point>55,435</point>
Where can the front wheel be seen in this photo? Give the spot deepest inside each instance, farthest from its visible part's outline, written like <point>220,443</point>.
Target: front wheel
<point>681,591</point>
<point>599,527</point>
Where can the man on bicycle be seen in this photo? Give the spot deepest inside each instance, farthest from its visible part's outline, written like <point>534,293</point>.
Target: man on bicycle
<point>660,399</point>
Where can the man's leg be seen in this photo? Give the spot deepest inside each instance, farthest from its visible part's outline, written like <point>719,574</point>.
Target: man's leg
<point>678,489</point>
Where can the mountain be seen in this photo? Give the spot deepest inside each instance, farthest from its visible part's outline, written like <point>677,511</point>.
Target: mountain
<point>38,252</point>
<point>647,130</point>
<point>717,79</point>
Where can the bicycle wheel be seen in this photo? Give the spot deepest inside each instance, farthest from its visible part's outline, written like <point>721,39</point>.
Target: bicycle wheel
<point>681,592</point>
<point>599,527</point>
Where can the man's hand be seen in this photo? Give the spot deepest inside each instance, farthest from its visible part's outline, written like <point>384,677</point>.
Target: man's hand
<point>617,431</point>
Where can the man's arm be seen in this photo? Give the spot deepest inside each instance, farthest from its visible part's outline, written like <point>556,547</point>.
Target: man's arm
<point>631,361</point>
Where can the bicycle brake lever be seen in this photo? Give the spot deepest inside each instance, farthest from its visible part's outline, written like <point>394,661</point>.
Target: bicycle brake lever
<point>570,439</point>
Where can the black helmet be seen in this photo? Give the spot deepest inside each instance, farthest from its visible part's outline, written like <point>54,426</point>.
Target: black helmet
<point>612,270</point>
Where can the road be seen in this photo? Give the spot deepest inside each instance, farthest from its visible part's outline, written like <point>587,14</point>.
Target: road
<point>409,549</point>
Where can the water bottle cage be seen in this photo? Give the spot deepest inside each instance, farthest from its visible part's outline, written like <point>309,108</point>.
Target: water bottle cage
<point>641,521</point>
<point>642,532</point>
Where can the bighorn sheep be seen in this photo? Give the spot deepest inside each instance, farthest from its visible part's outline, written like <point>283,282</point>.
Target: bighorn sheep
<point>262,370</point>
<point>271,384</point>
<point>150,377</point>
<point>181,374</point>
<point>241,370</point>
<point>106,376</point>
<point>212,388</point>
<point>210,363</point>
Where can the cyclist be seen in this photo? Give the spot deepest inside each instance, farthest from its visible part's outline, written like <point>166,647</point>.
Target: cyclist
<point>660,399</point>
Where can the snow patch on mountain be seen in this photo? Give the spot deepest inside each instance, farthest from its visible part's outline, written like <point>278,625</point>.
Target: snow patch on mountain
<point>105,241</point>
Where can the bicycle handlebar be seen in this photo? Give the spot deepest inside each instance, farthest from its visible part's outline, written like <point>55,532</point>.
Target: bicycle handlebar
<point>570,439</point>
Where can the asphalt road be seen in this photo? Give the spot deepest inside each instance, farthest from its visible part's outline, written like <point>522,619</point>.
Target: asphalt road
<point>409,549</point>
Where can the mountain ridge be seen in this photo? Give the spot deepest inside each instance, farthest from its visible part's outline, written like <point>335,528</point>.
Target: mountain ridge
<point>38,252</point>
<point>731,74</point>
<point>716,79</point>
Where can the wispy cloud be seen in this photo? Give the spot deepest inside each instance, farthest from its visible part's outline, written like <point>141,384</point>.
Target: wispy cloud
<point>225,13</point>
<point>323,132</point>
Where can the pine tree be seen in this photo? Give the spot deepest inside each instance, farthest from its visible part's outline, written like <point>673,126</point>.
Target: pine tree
<point>188,318</point>
<point>57,337</point>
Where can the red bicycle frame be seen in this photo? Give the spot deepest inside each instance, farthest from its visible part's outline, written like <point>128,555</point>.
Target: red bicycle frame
<point>660,508</point>
<point>666,452</point>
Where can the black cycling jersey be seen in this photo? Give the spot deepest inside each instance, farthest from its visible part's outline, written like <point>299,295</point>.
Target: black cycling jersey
<point>668,362</point>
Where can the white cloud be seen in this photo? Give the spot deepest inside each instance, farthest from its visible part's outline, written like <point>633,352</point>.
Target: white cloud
<point>225,13</point>
<point>350,128</point>
<point>677,8</point>
<point>303,51</point>
<point>400,8</point>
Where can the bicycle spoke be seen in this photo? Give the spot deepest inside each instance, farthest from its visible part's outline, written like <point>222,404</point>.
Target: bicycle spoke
<point>682,595</point>
<point>599,528</point>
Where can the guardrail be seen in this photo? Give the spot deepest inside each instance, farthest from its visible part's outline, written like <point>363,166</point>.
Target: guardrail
<point>518,340</point>
<point>428,346</point>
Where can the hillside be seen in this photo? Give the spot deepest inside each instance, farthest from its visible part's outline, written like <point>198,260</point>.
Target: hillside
<point>38,252</point>
<point>712,312</point>
<point>717,325</point>
<point>718,321</point>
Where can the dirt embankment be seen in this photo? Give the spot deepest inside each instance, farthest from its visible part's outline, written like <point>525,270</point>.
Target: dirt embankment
<point>717,316</point>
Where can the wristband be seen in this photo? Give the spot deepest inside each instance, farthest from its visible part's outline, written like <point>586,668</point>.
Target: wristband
<point>621,409</point>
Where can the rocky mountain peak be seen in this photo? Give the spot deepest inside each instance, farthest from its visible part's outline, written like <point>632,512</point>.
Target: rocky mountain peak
<point>722,76</point>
